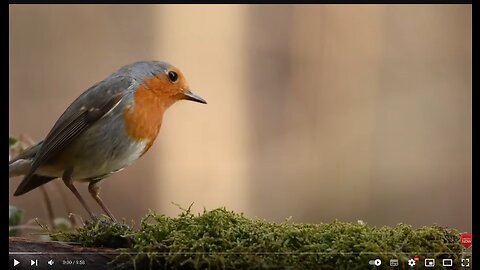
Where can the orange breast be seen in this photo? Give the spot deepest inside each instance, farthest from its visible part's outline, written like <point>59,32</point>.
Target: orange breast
<point>143,120</point>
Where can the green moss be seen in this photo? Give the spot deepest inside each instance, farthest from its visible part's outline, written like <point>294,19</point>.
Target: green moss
<point>15,217</point>
<point>101,233</point>
<point>221,239</point>
<point>12,141</point>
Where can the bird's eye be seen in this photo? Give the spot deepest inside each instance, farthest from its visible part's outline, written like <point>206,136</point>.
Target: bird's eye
<point>173,76</point>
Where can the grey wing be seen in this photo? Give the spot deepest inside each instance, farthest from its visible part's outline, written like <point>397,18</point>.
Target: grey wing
<point>79,116</point>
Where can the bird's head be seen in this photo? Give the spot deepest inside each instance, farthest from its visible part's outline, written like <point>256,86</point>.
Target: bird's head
<point>165,81</point>
<point>158,86</point>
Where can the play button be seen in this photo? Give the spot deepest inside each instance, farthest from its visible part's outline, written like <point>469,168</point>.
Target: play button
<point>15,262</point>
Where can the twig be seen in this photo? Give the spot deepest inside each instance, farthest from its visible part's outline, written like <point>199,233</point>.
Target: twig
<point>48,206</point>
<point>24,138</point>
<point>72,216</point>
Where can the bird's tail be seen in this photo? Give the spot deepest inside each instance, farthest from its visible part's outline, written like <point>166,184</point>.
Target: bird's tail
<point>19,167</point>
<point>21,164</point>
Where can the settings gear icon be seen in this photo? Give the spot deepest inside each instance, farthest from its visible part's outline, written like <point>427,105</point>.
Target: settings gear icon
<point>411,262</point>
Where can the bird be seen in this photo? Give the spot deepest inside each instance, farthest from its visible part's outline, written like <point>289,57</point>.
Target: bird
<point>108,127</point>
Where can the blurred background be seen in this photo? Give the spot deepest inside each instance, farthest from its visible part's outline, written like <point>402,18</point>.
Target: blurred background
<point>319,112</point>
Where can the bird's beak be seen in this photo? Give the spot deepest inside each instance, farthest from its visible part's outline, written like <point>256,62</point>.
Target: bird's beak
<point>188,95</point>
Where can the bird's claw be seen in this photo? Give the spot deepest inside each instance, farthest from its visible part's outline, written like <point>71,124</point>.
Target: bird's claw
<point>100,219</point>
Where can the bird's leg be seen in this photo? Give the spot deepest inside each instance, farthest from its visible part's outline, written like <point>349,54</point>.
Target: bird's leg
<point>94,189</point>
<point>67,179</point>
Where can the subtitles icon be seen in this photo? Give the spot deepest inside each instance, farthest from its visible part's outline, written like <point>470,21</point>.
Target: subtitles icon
<point>393,262</point>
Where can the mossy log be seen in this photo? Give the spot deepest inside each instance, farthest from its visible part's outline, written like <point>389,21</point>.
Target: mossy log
<point>221,239</point>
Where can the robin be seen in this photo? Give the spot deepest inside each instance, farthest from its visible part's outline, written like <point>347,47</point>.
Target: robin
<point>107,128</point>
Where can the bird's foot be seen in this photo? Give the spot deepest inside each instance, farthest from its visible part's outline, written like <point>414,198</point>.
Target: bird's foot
<point>101,220</point>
